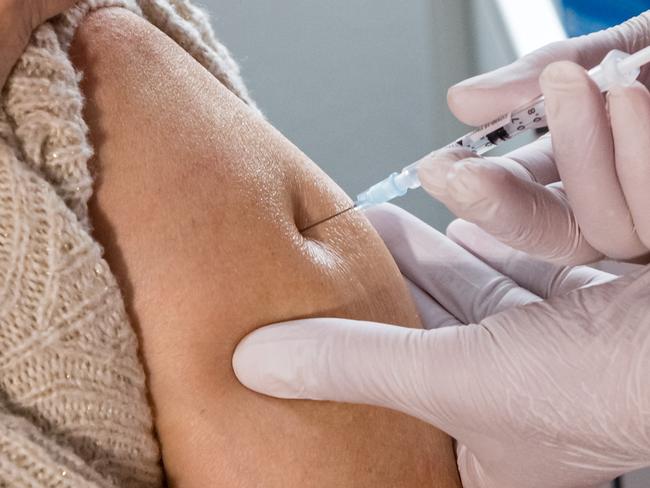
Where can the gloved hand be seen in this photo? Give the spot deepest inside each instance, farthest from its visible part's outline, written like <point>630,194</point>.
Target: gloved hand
<point>18,18</point>
<point>552,394</point>
<point>601,205</point>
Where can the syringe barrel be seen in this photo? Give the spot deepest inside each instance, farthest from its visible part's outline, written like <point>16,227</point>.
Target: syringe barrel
<point>617,68</point>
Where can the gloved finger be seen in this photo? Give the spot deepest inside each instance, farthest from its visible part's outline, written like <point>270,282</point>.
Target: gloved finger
<point>584,149</point>
<point>480,99</point>
<point>533,161</point>
<point>542,278</point>
<point>432,314</point>
<point>360,362</point>
<point>504,201</point>
<point>629,111</point>
<point>536,385</point>
<point>462,284</point>
<point>537,158</point>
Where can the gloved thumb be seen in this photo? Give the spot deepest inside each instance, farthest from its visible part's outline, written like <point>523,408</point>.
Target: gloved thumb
<point>481,99</point>
<point>345,361</point>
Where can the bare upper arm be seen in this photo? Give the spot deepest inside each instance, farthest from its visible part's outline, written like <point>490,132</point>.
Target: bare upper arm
<point>198,204</point>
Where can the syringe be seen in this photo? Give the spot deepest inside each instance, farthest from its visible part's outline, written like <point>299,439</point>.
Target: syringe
<point>617,68</point>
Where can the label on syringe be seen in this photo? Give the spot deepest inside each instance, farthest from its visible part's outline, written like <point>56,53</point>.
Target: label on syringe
<point>479,138</point>
<point>504,128</point>
<point>531,117</point>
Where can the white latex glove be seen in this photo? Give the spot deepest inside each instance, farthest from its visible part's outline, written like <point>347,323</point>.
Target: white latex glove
<point>600,151</point>
<point>552,394</point>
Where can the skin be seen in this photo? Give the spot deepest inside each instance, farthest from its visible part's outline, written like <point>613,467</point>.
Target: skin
<point>198,204</point>
<point>18,18</point>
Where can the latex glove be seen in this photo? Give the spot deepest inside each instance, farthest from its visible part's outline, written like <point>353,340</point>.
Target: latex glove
<point>18,18</point>
<point>601,206</point>
<point>552,394</point>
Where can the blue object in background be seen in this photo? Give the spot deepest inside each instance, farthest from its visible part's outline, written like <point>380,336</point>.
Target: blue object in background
<point>584,16</point>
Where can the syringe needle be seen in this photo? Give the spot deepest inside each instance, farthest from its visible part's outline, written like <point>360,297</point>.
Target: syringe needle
<point>326,219</point>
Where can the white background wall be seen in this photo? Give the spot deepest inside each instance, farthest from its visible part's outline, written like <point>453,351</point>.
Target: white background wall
<point>358,85</point>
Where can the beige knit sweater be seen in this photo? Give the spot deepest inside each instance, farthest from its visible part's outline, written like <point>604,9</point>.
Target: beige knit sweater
<point>73,404</point>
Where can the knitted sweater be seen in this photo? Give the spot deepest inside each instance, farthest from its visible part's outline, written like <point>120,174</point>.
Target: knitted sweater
<point>73,400</point>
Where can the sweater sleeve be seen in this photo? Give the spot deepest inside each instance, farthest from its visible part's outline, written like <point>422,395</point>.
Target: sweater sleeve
<point>31,458</point>
<point>73,398</point>
<point>72,390</point>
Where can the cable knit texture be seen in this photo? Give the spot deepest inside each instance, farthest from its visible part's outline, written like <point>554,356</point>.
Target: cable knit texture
<point>73,401</point>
